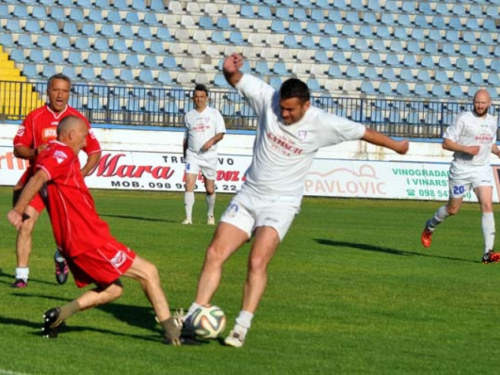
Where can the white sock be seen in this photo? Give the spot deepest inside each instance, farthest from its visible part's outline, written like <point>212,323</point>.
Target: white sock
<point>488,226</point>
<point>210,204</point>
<point>58,256</point>
<point>438,218</point>
<point>189,203</point>
<point>192,309</point>
<point>244,320</point>
<point>22,273</point>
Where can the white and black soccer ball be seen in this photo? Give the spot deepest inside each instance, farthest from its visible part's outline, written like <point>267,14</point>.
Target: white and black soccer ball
<point>208,322</point>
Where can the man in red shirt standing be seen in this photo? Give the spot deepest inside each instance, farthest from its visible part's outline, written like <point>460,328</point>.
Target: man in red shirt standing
<point>92,253</point>
<point>37,130</point>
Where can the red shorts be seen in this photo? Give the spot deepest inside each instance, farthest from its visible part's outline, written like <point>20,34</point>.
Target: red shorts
<point>36,202</point>
<point>101,266</point>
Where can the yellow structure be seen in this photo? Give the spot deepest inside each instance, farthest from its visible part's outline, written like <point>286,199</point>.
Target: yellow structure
<point>17,97</point>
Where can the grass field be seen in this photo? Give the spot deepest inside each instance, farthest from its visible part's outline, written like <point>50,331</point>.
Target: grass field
<point>351,291</point>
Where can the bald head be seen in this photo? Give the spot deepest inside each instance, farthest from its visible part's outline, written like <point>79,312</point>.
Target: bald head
<point>72,131</point>
<point>482,102</point>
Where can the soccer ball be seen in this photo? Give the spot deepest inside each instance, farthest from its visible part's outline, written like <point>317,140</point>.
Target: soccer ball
<point>208,322</point>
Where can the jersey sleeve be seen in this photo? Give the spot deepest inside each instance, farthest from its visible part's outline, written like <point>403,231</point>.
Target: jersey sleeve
<point>93,144</point>
<point>54,163</point>
<point>453,131</point>
<point>220,125</point>
<point>258,93</point>
<point>24,135</point>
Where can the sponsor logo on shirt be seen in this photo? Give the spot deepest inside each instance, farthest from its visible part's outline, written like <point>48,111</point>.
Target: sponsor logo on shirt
<point>285,146</point>
<point>49,134</point>
<point>119,259</point>
<point>60,156</point>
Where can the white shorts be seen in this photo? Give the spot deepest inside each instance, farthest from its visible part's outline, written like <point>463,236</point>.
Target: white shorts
<point>248,212</point>
<point>206,162</point>
<point>463,178</point>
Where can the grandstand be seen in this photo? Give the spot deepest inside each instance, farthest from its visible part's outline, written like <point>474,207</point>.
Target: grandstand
<point>381,62</point>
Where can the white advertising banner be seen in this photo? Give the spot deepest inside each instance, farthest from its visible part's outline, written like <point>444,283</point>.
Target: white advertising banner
<point>328,177</point>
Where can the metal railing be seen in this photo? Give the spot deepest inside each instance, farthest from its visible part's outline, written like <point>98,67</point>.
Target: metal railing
<point>165,107</point>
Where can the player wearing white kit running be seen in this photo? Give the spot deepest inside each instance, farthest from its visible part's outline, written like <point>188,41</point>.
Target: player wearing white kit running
<point>205,128</point>
<point>472,137</point>
<point>289,133</point>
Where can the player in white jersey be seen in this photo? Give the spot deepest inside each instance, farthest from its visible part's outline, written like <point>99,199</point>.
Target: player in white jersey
<point>205,127</point>
<point>289,133</point>
<point>472,138</point>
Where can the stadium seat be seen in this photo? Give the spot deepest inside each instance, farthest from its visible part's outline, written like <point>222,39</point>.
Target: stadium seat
<point>164,78</point>
<point>146,77</point>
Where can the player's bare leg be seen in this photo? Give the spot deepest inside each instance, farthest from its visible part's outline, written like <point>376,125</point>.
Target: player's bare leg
<point>226,240</point>
<point>147,275</point>
<point>24,243</point>
<point>189,197</point>
<point>210,189</point>
<point>263,249</point>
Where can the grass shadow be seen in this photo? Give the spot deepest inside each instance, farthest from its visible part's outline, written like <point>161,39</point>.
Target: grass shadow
<point>387,250</point>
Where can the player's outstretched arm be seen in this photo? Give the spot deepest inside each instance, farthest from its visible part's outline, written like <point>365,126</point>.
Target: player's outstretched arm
<point>231,68</point>
<point>379,139</point>
<point>15,216</point>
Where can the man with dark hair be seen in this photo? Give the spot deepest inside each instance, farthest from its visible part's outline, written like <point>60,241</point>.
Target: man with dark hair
<point>289,133</point>
<point>37,130</point>
<point>205,128</point>
<point>93,254</point>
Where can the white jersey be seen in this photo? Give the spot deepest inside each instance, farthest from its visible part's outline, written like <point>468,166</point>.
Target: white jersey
<point>201,126</point>
<point>283,154</point>
<point>469,130</point>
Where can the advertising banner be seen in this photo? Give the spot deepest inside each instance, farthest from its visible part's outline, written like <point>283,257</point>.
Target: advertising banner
<point>327,177</point>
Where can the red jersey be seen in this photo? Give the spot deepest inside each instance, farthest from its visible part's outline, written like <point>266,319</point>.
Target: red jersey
<point>40,127</point>
<point>76,225</point>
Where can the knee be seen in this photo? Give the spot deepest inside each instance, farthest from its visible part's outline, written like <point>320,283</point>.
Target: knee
<point>27,227</point>
<point>257,264</point>
<point>215,255</point>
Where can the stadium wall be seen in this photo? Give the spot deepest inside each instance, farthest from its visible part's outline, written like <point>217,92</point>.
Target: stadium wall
<point>151,159</point>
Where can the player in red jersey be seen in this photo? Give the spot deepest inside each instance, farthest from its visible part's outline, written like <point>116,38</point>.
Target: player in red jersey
<point>93,254</point>
<point>37,130</point>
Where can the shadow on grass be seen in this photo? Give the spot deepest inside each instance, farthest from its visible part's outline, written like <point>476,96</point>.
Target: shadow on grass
<point>8,278</point>
<point>387,250</point>
<point>137,218</point>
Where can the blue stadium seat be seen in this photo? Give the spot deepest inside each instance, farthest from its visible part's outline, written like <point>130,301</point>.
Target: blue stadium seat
<point>313,28</point>
<point>281,69</point>
<point>76,14</point>
<point>378,45</point>
<point>331,29</point>
<point>477,79</point>
<point>366,31</point>
<point>63,42</point>
<point>35,56</point>
<point>101,44</point>
<point>151,62</point>
<point>146,76</point>
<point>383,32</point>
<point>51,28</point>
<point>88,74</point>
<point>414,47</point>
<point>456,91</point>
<point>39,13</point>
<point>479,65</point>
<point>385,89</point>
<point>326,43</point>
<point>388,74</point>
<point>459,77</point>
<point>70,29</point>
<point>13,26</point>
<point>423,75</point>
<point>95,16</point>
<point>441,76</point>
<point>371,73</point>
<point>493,79</point>
<point>88,29</point>
<point>138,46</point>
<point>402,89</point>
<point>444,62</point>
<point>321,57</point>
<point>119,45</point>
<point>56,57</point>
<point>108,75</point>
<point>48,71</point>
<point>278,27</point>
<point>375,59</point>
<point>265,13</point>
<point>295,27</point>
<point>421,90</point>
<point>339,57</point>
<point>357,58</point>
<point>170,63</point>
<point>461,63</point>
<point>406,75</point>
<point>164,78</point>
<point>368,89</point>
<point>353,72</point>
<point>361,45</point>
<point>404,20</point>
<point>82,44</point>
<point>32,27</point>
<point>428,62</point>
<point>290,42</point>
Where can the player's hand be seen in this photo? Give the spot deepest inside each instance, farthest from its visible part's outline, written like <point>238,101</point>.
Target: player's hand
<point>233,63</point>
<point>15,218</point>
<point>206,146</point>
<point>472,150</point>
<point>40,149</point>
<point>402,147</point>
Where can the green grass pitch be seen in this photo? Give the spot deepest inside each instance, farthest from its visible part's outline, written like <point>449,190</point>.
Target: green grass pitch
<point>351,291</point>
